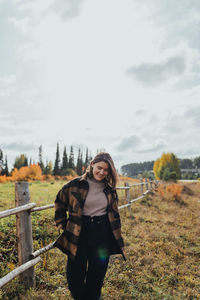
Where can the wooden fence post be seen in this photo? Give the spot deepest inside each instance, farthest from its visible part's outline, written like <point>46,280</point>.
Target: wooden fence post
<point>156,183</point>
<point>127,193</point>
<point>150,183</point>
<point>146,183</point>
<point>142,188</point>
<point>24,232</point>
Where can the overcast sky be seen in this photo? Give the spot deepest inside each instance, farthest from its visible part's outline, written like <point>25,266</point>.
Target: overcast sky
<point>120,75</point>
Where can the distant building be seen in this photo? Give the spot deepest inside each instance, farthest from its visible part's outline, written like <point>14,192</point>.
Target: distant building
<point>192,171</point>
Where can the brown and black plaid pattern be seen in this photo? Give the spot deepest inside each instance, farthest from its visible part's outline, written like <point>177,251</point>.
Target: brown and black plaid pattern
<point>68,212</point>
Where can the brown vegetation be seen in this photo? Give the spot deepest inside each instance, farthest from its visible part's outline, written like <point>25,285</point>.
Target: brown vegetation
<point>162,239</point>
<point>32,173</point>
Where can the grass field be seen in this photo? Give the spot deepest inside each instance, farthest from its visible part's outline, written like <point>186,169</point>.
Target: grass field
<point>162,239</point>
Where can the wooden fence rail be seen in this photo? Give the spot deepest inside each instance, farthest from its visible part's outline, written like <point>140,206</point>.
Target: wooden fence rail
<point>14,211</point>
<point>19,270</point>
<point>27,258</point>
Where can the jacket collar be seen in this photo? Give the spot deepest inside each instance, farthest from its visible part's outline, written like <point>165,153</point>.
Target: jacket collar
<point>83,177</point>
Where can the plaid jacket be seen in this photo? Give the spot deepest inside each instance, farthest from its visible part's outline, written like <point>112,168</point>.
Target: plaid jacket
<point>68,212</point>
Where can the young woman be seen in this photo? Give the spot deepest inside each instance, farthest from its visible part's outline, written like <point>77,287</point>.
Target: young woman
<point>86,209</point>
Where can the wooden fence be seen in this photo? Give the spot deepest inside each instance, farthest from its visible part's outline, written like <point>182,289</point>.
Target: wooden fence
<point>26,257</point>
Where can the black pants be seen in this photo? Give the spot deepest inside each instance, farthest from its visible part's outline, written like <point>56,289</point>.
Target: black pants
<point>85,274</point>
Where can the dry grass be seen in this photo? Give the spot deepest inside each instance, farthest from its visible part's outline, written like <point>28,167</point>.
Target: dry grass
<point>162,241</point>
<point>163,249</point>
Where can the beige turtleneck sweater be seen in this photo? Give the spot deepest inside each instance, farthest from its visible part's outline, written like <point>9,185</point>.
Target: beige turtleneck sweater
<point>96,201</point>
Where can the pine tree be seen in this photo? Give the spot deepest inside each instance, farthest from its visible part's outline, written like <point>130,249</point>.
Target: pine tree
<point>21,161</point>
<point>25,161</point>
<point>86,163</point>
<point>1,161</point>
<point>71,159</point>
<point>90,158</point>
<point>101,150</point>
<point>5,170</point>
<point>56,170</point>
<point>197,162</point>
<point>48,170</point>
<point>79,164</point>
<point>64,162</point>
<point>3,164</point>
<point>186,163</point>
<point>41,164</point>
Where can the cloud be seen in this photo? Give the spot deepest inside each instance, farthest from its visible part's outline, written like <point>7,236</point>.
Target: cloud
<point>172,130</point>
<point>178,124</point>
<point>128,143</point>
<point>67,9</point>
<point>7,85</point>
<point>160,145</point>
<point>26,110</point>
<point>179,19</point>
<point>172,124</point>
<point>13,149</point>
<point>140,112</point>
<point>28,13</point>
<point>192,114</point>
<point>7,80</point>
<point>19,146</point>
<point>152,74</point>
<point>10,131</point>
<point>178,22</point>
<point>188,152</point>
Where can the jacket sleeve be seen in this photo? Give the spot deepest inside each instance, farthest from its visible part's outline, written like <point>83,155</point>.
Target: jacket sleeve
<point>116,196</point>
<point>61,206</point>
<point>120,241</point>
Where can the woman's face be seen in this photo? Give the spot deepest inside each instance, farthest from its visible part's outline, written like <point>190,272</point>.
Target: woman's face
<point>100,170</point>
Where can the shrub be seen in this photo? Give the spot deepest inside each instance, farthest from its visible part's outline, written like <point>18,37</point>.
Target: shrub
<point>3,179</point>
<point>68,177</point>
<point>167,167</point>
<point>48,177</point>
<point>161,191</point>
<point>68,171</point>
<point>32,172</point>
<point>168,174</point>
<point>172,191</point>
<point>175,190</point>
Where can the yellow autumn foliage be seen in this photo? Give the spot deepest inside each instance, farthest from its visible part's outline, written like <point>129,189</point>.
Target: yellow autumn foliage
<point>172,191</point>
<point>32,172</point>
<point>3,179</point>
<point>167,160</point>
<point>175,190</point>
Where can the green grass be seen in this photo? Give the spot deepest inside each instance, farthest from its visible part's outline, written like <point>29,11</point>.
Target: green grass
<point>40,192</point>
<point>162,247</point>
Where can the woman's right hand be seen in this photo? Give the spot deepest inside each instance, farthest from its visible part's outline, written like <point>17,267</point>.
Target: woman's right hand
<point>59,228</point>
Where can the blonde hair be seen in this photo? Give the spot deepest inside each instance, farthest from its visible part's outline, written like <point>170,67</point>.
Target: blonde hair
<point>112,176</point>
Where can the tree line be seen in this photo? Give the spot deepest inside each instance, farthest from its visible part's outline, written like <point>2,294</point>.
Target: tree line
<point>146,169</point>
<point>168,166</point>
<point>136,169</point>
<point>63,165</point>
